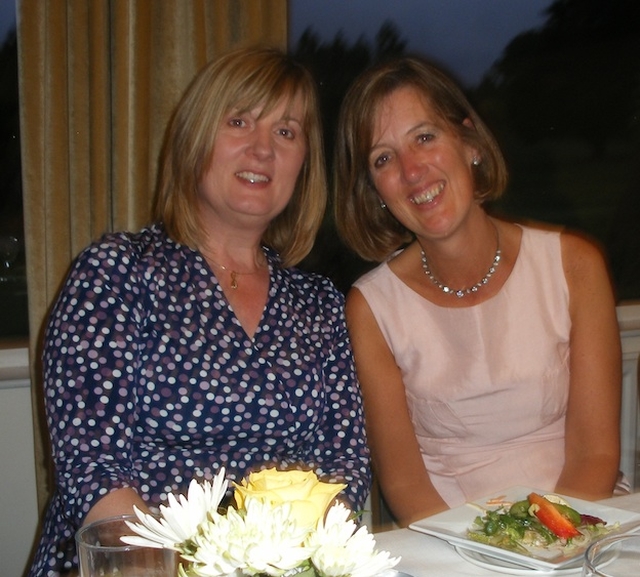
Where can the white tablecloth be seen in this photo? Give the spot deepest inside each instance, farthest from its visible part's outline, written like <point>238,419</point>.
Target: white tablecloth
<point>426,556</point>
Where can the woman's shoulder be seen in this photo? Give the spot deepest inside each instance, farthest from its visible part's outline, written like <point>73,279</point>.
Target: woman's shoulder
<point>540,232</point>
<point>123,241</point>
<point>575,247</point>
<point>305,289</point>
<point>582,257</point>
<point>123,257</point>
<point>313,284</point>
<point>576,254</point>
<point>540,243</point>
<point>378,274</point>
<point>124,247</point>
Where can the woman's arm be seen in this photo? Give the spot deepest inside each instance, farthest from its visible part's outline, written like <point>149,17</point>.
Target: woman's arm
<point>339,447</point>
<point>118,502</point>
<point>397,462</point>
<point>89,377</point>
<point>593,413</point>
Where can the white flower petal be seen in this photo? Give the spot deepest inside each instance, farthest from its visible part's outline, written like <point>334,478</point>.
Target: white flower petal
<point>142,542</point>
<point>153,530</point>
<point>262,539</point>
<point>181,518</point>
<point>343,550</point>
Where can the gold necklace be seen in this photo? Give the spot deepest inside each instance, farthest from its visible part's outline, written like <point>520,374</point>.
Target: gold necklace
<point>233,273</point>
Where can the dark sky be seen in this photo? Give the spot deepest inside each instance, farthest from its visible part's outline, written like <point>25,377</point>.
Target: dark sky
<point>7,17</point>
<point>466,36</point>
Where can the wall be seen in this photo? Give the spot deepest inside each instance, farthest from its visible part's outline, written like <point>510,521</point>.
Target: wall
<point>18,509</point>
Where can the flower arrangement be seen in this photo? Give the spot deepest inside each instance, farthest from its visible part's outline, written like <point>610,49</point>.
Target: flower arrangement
<point>282,525</point>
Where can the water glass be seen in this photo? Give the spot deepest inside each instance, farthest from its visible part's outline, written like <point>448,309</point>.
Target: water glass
<point>101,553</point>
<point>614,556</point>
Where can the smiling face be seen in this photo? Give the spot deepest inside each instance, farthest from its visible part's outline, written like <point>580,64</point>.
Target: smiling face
<point>254,166</point>
<point>419,165</point>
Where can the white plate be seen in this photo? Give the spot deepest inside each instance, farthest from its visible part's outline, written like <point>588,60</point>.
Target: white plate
<point>502,566</point>
<point>452,526</point>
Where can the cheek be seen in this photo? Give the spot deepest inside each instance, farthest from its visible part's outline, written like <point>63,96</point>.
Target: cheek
<point>384,183</point>
<point>301,158</point>
<point>290,172</point>
<point>296,162</point>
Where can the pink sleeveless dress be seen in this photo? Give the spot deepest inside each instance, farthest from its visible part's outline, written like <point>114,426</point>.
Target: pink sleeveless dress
<point>487,385</point>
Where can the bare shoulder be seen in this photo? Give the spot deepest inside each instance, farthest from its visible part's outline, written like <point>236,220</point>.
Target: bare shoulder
<point>587,276</point>
<point>581,257</point>
<point>354,300</point>
<point>357,308</point>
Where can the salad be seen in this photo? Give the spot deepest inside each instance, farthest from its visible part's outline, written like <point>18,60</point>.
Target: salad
<point>537,522</point>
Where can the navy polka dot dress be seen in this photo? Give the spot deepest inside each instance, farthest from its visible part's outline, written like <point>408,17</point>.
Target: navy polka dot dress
<point>151,381</point>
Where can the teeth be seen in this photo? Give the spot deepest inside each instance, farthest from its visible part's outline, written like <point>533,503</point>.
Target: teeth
<point>252,177</point>
<point>429,195</point>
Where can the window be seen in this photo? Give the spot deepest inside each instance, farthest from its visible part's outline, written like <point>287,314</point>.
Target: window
<point>556,80</point>
<point>13,286</point>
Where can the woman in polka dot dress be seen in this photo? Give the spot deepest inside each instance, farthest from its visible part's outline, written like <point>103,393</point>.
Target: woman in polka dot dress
<point>195,344</point>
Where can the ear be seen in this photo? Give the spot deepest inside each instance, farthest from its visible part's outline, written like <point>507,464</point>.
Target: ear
<point>474,155</point>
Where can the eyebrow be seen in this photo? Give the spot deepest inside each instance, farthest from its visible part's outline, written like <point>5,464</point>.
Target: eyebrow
<point>292,119</point>
<point>419,126</point>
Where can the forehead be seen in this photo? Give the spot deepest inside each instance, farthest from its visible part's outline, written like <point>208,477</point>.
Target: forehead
<point>404,104</point>
<point>290,106</point>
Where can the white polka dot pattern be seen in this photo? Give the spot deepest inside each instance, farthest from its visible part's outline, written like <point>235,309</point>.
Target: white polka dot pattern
<point>150,380</point>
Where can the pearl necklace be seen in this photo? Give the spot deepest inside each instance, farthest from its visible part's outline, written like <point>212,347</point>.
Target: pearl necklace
<point>464,291</point>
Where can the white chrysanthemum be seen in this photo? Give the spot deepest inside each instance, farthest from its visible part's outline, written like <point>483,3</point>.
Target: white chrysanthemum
<point>217,547</point>
<point>180,519</point>
<point>342,550</point>
<point>262,540</point>
<point>273,542</point>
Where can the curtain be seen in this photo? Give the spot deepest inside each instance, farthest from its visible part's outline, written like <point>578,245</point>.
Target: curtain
<point>98,81</point>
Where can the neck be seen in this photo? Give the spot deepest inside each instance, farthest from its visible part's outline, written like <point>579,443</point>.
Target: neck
<point>469,280</point>
<point>239,254</point>
<point>239,261</point>
<point>240,266</point>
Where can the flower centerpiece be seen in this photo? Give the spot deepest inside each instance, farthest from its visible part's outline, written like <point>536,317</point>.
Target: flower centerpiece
<point>283,524</point>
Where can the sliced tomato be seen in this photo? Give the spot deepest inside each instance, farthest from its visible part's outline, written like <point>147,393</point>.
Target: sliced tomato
<point>552,519</point>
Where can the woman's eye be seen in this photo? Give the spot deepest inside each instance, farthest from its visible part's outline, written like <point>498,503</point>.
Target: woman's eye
<point>287,133</point>
<point>425,137</point>
<point>237,122</point>
<point>380,161</point>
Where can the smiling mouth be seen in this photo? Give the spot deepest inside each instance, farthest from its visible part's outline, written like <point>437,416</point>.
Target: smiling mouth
<point>252,177</point>
<point>428,195</point>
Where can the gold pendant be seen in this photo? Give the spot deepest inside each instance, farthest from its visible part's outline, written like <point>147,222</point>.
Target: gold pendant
<point>234,279</point>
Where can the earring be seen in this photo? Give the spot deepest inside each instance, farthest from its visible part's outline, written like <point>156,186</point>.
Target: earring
<point>382,204</point>
<point>475,161</point>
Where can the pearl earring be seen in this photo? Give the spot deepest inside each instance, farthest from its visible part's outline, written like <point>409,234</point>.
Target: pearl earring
<point>475,161</point>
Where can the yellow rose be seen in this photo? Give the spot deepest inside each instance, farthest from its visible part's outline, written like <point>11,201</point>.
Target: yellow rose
<point>308,496</point>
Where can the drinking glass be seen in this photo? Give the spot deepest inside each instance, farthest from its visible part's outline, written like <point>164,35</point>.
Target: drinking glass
<point>615,556</point>
<point>101,553</point>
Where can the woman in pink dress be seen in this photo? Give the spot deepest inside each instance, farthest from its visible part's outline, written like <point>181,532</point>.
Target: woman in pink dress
<point>488,352</point>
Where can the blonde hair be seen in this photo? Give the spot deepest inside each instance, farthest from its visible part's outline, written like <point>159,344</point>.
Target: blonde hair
<point>242,79</point>
<point>371,232</point>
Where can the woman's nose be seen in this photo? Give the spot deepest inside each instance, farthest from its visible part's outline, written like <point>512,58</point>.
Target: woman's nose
<point>262,143</point>
<point>410,166</point>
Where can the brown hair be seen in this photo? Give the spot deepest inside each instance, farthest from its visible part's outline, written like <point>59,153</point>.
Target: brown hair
<point>371,232</point>
<point>241,79</point>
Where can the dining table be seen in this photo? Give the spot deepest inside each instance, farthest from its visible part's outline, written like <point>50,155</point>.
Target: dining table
<point>423,555</point>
